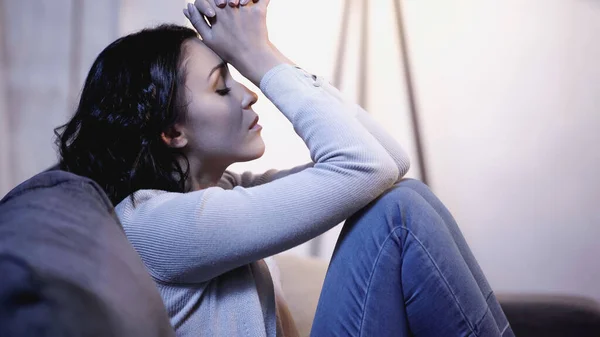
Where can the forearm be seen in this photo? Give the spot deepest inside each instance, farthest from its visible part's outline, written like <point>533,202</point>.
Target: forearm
<point>391,145</point>
<point>256,63</point>
<point>263,61</point>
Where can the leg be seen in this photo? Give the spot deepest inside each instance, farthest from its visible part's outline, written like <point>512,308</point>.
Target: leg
<point>401,268</point>
<point>424,191</point>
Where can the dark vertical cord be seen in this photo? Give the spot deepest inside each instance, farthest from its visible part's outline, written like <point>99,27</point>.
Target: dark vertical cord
<point>412,104</point>
<point>315,246</point>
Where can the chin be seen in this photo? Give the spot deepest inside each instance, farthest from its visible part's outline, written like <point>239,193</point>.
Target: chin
<point>253,152</point>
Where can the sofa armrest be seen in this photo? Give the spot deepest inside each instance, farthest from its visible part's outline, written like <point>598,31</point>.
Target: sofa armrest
<point>551,315</point>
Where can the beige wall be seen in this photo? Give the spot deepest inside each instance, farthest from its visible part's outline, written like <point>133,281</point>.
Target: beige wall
<point>510,94</point>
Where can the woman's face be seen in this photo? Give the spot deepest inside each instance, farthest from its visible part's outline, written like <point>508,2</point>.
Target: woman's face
<point>219,126</point>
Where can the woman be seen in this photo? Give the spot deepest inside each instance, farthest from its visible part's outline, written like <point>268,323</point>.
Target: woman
<point>160,120</point>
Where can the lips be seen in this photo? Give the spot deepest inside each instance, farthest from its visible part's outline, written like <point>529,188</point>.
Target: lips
<point>254,123</point>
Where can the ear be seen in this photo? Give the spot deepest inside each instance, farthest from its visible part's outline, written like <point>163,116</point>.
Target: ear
<point>174,137</point>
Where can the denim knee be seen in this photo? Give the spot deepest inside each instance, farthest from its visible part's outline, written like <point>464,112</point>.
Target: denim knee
<point>403,206</point>
<point>412,183</point>
<point>404,191</point>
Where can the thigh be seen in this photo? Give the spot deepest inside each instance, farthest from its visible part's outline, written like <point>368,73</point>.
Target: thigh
<point>398,271</point>
<point>362,292</point>
<point>495,311</point>
<point>450,223</point>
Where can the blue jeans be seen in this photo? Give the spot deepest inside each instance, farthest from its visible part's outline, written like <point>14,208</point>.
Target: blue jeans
<point>401,267</point>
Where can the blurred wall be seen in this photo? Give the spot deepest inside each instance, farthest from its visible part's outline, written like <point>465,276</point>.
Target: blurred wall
<point>137,14</point>
<point>47,48</point>
<point>509,92</point>
<point>4,173</point>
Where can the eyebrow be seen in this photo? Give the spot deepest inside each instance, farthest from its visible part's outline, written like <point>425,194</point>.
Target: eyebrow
<point>219,67</point>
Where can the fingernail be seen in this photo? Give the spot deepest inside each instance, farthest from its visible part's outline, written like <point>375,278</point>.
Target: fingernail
<point>231,4</point>
<point>221,4</point>
<point>189,8</point>
<point>210,12</point>
<point>244,2</point>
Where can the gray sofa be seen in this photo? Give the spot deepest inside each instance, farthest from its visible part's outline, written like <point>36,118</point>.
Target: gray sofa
<point>72,270</point>
<point>68,270</point>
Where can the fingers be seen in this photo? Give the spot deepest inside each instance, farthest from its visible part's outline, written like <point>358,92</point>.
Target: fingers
<point>205,8</point>
<point>221,3</point>
<point>192,13</point>
<point>263,3</point>
<point>245,2</point>
<point>231,3</point>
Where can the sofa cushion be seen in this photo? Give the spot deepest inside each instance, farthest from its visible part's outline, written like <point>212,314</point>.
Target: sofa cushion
<point>60,237</point>
<point>301,281</point>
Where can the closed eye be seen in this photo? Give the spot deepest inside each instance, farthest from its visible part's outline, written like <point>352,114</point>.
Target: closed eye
<point>222,72</point>
<point>224,91</point>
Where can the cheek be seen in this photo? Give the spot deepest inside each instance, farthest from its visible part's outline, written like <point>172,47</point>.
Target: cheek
<point>214,121</point>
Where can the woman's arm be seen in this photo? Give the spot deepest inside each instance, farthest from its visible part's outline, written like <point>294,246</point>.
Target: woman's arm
<point>386,140</point>
<point>194,237</point>
<point>243,41</point>
<point>231,179</point>
<point>393,148</point>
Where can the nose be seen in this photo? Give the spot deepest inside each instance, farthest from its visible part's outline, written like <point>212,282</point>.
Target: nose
<point>249,98</point>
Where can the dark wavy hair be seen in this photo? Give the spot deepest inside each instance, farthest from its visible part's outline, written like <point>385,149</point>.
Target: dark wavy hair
<point>133,93</point>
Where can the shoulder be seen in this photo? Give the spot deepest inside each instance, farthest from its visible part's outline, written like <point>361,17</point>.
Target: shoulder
<point>147,205</point>
<point>141,198</point>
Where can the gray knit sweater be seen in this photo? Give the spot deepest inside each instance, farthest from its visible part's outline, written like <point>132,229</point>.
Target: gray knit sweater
<point>206,249</point>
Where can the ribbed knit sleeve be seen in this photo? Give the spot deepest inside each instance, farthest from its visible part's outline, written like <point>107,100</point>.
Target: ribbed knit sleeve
<point>391,145</point>
<point>394,149</point>
<point>196,236</point>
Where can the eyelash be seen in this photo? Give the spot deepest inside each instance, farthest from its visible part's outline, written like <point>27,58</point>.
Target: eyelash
<point>223,92</point>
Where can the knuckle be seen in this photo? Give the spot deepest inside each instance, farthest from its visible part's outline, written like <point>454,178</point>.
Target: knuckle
<point>257,10</point>
<point>196,23</point>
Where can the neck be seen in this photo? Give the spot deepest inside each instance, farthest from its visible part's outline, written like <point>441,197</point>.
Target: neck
<point>204,173</point>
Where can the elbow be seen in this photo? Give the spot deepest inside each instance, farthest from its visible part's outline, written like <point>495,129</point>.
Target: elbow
<point>387,172</point>
<point>393,174</point>
<point>403,166</point>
